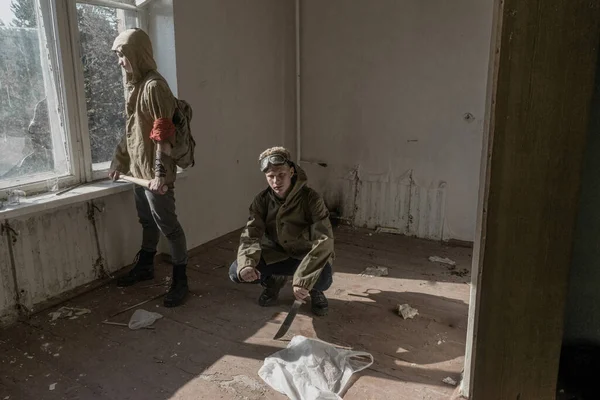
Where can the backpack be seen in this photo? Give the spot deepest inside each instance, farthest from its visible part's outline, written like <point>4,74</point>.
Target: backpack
<point>183,150</point>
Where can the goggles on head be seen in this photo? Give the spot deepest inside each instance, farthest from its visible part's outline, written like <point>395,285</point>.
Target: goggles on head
<point>273,159</point>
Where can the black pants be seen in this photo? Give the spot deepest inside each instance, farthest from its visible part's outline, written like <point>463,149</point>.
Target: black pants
<point>286,268</point>
<point>156,214</point>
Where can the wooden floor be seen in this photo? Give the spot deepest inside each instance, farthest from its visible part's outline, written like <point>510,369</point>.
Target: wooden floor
<point>213,346</point>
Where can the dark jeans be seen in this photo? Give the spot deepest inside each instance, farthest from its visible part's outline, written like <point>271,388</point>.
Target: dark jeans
<point>286,268</point>
<point>156,213</point>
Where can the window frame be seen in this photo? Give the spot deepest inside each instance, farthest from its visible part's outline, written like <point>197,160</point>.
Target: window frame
<point>86,150</point>
<point>63,32</point>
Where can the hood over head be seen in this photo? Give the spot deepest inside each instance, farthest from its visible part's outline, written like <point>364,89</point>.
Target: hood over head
<point>136,46</point>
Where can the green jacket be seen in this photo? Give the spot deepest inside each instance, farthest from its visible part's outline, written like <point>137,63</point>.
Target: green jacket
<point>148,99</point>
<point>297,227</point>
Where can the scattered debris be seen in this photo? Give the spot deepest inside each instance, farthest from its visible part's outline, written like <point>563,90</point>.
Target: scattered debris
<point>394,231</point>
<point>440,342</point>
<point>461,273</point>
<point>138,304</point>
<point>219,266</point>
<point>68,312</point>
<point>107,322</point>
<point>450,381</point>
<point>142,319</point>
<point>375,271</point>
<point>154,285</point>
<point>52,387</point>
<point>242,383</point>
<point>236,383</point>
<point>14,197</point>
<point>406,311</point>
<point>442,260</point>
<point>56,355</point>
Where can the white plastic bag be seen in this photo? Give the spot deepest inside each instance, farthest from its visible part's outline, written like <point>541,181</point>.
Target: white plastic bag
<point>142,319</point>
<point>310,369</point>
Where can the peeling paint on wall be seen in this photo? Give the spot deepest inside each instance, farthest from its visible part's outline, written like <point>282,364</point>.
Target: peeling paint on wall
<point>118,215</point>
<point>7,293</point>
<point>380,200</point>
<point>54,252</point>
<point>373,94</point>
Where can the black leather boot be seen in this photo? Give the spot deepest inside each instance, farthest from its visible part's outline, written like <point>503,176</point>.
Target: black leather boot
<point>273,284</point>
<point>179,288</point>
<point>143,269</point>
<point>318,303</point>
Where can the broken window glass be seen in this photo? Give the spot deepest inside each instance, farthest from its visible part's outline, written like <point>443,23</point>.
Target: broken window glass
<point>31,137</point>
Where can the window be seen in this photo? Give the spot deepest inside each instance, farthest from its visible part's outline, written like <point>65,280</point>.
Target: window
<point>31,134</point>
<point>104,92</point>
<point>62,99</point>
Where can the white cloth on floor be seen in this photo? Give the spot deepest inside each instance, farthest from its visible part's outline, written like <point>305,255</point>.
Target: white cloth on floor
<point>310,369</point>
<point>142,319</point>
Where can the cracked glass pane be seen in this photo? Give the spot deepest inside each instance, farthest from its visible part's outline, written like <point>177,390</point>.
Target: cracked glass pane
<point>31,138</point>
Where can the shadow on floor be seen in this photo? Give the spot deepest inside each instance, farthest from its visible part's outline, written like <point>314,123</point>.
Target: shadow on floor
<point>213,346</point>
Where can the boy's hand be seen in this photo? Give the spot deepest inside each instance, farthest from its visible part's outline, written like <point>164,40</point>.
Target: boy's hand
<point>300,293</point>
<point>114,175</point>
<point>249,274</point>
<point>157,184</point>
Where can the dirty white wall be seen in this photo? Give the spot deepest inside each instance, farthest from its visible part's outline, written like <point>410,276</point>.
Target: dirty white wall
<point>161,29</point>
<point>64,248</point>
<point>235,66</point>
<point>386,86</point>
<point>7,288</point>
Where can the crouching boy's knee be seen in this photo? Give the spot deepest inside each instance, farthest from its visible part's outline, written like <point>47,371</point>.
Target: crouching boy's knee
<point>233,275</point>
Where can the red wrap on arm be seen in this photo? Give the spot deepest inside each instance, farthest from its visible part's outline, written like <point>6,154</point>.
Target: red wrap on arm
<point>163,129</point>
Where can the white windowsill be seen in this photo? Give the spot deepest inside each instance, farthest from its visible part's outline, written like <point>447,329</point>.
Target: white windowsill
<point>50,201</point>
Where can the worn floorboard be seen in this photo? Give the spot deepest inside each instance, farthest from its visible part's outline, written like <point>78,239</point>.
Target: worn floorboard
<point>213,346</point>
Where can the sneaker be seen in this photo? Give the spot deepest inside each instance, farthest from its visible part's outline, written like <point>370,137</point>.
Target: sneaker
<point>143,269</point>
<point>179,288</point>
<point>318,303</point>
<point>273,284</point>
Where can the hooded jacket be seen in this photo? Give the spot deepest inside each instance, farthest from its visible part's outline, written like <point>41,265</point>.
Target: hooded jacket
<point>150,107</point>
<point>297,227</point>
